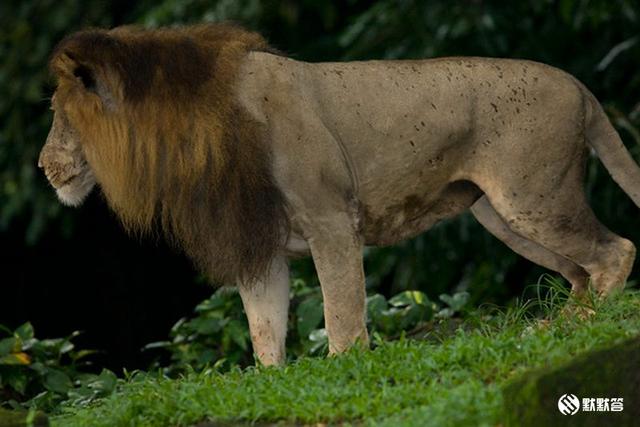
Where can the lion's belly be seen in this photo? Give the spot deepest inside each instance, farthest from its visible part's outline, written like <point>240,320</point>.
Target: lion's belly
<point>384,225</point>
<point>389,224</point>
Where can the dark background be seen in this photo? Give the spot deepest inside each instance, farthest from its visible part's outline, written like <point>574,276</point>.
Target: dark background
<point>75,269</point>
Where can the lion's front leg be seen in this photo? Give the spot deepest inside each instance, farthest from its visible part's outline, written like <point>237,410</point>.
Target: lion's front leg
<point>337,255</point>
<point>266,303</point>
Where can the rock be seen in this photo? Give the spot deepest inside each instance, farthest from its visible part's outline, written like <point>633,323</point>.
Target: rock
<point>614,372</point>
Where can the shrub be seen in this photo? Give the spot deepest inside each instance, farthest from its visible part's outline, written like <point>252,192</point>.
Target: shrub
<point>37,373</point>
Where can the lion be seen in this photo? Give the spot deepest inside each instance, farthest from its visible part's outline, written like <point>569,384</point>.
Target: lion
<point>245,158</point>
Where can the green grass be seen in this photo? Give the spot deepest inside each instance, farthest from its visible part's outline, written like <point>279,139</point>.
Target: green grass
<point>456,381</point>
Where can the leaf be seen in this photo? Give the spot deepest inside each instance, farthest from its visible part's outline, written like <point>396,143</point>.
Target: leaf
<point>7,345</point>
<point>309,315</point>
<point>17,379</point>
<point>15,359</point>
<point>57,381</point>
<point>29,344</point>
<point>39,367</point>
<point>409,298</point>
<point>205,357</point>
<point>319,339</point>
<point>66,347</point>
<point>78,355</point>
<point>239,333</point>
<point>157,344</point>
<point>25,331</point>
<point>45,398</point>
<point>457,301</point>
<point>48,345</point>
<point>415,314</point>
<point>178,326</point>
<point>80,396</point>
<point>615,51</point>
<point>105,383</point>
<point>216,302</point>
<point>445,313</point>
<point>206,325</point>
<point>376,304</point>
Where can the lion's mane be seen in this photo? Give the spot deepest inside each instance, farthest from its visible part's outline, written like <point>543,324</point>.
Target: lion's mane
<point>177,153</point>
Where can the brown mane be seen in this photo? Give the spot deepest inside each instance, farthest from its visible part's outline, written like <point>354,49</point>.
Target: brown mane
<point>177,151</point>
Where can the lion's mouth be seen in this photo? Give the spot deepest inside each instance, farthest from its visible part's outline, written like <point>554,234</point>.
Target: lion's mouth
<point>58,180</point>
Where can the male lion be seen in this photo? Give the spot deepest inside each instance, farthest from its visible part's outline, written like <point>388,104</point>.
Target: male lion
<point>244,158</point>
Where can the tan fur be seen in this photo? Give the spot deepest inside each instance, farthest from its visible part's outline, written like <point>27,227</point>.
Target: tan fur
<point>244,157</point>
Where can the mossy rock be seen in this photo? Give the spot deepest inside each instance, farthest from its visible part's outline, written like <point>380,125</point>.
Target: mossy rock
<point>22,419</point>
<point>532,400</point>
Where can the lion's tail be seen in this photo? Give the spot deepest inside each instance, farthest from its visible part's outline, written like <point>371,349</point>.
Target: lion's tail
<point>604,139</point>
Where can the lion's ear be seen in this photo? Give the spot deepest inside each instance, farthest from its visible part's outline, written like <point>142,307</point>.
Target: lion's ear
<point>82,70</point>
<point>92,79</point>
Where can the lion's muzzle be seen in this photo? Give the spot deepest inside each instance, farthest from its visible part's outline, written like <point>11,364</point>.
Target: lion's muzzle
<point>66,170</point>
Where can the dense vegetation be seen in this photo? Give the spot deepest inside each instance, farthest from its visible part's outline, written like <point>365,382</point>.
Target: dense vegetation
<point>124,293</point>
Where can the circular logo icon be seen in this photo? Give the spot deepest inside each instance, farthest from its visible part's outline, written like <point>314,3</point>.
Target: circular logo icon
<point>568,404</point>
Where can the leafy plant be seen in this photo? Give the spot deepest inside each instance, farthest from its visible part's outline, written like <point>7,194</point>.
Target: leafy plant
<point>218,335</point>
<point>40,374</point>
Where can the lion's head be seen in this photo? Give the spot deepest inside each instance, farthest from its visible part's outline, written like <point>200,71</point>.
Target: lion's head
<point>150,116</point>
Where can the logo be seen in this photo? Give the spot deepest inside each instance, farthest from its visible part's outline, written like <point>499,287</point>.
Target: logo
<point>568,404</point>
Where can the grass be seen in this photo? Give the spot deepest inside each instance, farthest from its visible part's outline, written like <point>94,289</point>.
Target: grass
<point>457,381</point>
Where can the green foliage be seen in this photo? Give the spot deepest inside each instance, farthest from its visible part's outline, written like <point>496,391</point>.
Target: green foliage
<point>218,335</point>
<point>40,374</point>
<point>456,380</point>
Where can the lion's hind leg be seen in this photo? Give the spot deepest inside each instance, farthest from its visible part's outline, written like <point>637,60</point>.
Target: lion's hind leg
<point>491,220</point>
<point>563,223</point>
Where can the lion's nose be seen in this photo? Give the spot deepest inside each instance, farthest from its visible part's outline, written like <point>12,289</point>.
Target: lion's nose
<point>40,160</point>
